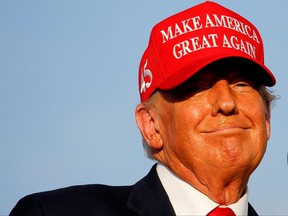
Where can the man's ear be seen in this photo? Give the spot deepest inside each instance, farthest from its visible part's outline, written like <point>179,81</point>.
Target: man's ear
<point>148,125</point>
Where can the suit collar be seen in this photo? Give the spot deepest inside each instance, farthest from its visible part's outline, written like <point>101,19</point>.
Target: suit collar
<point>148,196</point>
<point>251,211</point>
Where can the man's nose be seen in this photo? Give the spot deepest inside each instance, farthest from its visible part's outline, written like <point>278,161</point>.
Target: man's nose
<point>223,98</point>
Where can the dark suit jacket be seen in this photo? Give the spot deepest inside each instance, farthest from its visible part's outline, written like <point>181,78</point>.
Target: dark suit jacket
<point>147,198</point>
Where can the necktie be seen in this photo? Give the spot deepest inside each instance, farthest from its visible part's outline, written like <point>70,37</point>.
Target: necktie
<point>218,211</point>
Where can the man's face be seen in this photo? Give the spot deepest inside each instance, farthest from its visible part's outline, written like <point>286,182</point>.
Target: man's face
<point>216,121</point>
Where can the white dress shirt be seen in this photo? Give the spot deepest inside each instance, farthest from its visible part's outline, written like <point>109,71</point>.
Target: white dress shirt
<point>186,200</point>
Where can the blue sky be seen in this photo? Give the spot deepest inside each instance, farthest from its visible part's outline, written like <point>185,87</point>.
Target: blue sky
<point>68,90</point>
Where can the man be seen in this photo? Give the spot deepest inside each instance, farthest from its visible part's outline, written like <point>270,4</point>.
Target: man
<point>204,117</point>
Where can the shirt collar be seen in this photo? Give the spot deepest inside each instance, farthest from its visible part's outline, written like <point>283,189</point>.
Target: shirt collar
<point>186,200</point>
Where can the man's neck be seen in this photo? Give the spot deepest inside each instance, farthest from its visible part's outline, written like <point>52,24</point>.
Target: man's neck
<point>223,188</point>
<point>187,200</point>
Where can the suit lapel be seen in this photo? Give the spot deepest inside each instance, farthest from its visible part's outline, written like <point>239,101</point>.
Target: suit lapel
<point>148,197</point>
<point>251,211</point>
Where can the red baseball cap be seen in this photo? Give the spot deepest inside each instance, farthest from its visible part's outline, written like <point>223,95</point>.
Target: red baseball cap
<point>184,43</point>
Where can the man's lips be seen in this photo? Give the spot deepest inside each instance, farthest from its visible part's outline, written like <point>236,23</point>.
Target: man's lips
<point>230,128</point>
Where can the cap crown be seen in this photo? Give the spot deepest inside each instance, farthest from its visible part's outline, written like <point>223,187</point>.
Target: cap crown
<point>182,44</point>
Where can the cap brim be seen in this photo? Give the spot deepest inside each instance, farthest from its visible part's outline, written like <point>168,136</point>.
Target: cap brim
<point>189,70</point>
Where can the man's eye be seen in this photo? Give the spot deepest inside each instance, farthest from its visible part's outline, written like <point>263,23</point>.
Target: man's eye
<point>195,89</point>
<point>242,84</point>
<point>199,86</point>
<point>189,90</point>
